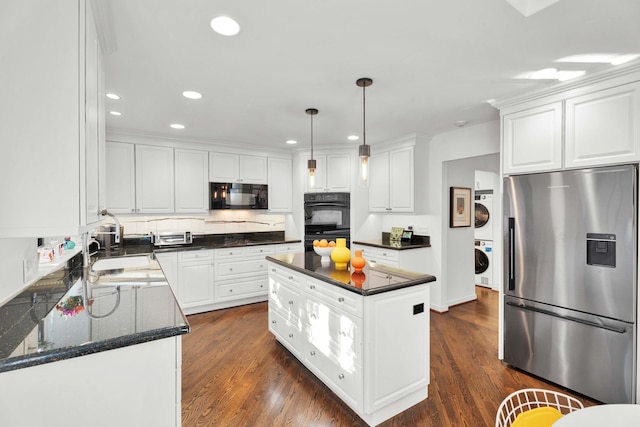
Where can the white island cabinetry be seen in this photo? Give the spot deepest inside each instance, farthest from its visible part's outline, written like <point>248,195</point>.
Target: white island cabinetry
<point>372,350</point>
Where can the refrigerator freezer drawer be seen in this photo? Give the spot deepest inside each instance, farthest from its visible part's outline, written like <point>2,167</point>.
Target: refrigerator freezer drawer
<point>573,351</point>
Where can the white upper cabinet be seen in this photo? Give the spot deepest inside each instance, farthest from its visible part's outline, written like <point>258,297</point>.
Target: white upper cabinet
<point>154,179</point>
<point>603,127</point>
<point>391,183</point>
<point>191,184</point>
<point>592,123</point>
<point>46,122</point>
<point>225,167</point>
<point>533,139</point>
<point>120,182</point>
<point>280,186</point>
<point>333,173</point>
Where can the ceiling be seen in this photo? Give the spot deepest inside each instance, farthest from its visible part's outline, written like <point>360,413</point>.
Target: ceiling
<point>433,63</point>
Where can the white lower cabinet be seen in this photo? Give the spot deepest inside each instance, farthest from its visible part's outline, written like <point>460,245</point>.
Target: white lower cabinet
<point>371,351</point>
<point>205,280</point>
<point>195,278</point>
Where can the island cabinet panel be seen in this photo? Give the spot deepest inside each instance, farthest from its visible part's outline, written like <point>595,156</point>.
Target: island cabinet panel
<point>372,351</point>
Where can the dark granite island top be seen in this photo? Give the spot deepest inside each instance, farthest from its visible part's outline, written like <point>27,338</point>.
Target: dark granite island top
<point>68,314</point>
<point>365,283</point>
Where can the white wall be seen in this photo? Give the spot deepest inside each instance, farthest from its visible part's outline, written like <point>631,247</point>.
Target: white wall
<point>13,252</point>
<point>460,271</point>
<point>471,141</point>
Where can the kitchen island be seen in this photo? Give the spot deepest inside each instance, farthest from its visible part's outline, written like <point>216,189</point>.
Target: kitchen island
<point>93,346</point>
<point>363,334</point>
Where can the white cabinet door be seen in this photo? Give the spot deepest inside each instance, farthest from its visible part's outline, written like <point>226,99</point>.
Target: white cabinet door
<point>603,127</point>
<point>253,170</point>
<point>191,181</point>
<point>401,183</point>
<point>42,136</point>
<point>120,188</point>
<point>195,283</point>
<point>338,172</point>
<point>224,167</point>
<point>379,182</point>
<point>532,139</point>
<point>281,194</point>
<point>154,179</point>
<point>92,119</point>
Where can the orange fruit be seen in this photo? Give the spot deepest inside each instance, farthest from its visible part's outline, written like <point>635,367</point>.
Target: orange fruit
<point>332,244</point>
<point>316,242</point>
<point>323,243</point>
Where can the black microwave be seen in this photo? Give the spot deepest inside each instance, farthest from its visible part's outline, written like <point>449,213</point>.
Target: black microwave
<point>234,195</point>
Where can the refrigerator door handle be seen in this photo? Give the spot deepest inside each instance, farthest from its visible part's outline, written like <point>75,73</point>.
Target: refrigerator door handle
<point>569,318</point>
<point>511,260</point>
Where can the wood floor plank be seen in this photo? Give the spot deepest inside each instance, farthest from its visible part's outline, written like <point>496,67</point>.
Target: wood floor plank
<point>235,374</point>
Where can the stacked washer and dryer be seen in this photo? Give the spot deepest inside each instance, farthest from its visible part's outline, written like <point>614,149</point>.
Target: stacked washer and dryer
<point>483,232</point>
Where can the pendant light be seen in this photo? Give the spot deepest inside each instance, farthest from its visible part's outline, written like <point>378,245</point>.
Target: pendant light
<point>364,150</point>
<point>311,163</point>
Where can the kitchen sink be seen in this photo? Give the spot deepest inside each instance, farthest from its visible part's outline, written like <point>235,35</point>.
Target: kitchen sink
<point>120,263</point>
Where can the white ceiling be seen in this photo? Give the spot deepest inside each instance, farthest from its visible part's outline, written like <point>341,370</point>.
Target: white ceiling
<point>432,63</point>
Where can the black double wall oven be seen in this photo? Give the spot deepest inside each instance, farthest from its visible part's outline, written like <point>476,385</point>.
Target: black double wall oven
<point>326,216</point>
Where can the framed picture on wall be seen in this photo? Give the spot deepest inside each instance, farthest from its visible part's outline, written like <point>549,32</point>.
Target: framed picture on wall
<point>460,207</point>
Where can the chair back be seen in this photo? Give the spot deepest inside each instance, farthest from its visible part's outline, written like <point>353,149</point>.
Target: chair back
<point>531,398</point>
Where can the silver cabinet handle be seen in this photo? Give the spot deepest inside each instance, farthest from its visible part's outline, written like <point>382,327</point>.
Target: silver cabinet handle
<point>262,286</point>
<point>340,299</point>
<point>274,292</point>
<point>290,302</point>
<point>273,321</point>
<point>230,290</point>
<point>341,376</point>
<point>273,270</point>
<point>290,277</point>
<point>312,353</point>
<point>230,269</point>
<point>312,287</point>
<point>290,335</point>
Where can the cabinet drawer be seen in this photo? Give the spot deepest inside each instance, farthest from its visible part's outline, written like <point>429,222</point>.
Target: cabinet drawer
<point>285,274</point>
<point>289,248</point>
<point>345,380</point>
<point>199,255</point>
<point>260,250</point>
<point>289,331</point>
<point>336,297</point>
<point>287,300</point>
<point>244,289</point>
<point>232,268</point>
<point>230,252</point>
<point>336,334</point>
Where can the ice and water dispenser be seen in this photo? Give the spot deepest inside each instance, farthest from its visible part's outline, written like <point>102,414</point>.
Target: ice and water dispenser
<point>601,249</point>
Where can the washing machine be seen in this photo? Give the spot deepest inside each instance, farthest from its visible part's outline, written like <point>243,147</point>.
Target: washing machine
<point>484,215</point>
<point>484,263</point>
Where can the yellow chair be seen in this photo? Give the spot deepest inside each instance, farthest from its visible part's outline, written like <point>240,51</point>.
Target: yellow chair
<point>534,407</point>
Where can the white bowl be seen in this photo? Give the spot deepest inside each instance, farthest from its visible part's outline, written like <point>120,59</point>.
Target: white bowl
<point>326,251</point>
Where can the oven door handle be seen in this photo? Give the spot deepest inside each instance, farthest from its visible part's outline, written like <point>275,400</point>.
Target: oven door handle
<point>322,204</point>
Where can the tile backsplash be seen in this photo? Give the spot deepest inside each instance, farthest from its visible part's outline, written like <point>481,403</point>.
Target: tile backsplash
<point>217,222</point>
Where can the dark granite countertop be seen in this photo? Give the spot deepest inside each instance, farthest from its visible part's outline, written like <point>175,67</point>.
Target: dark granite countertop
<point>365,283</point>
<point>68,314</point>
<point>385,243</point>
<point>143,245</point>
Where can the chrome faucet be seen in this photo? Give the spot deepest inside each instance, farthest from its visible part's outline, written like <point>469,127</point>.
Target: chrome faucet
<point>117,236</point>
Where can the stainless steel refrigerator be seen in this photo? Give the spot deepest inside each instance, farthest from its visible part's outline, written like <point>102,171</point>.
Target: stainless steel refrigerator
<point>570,279</point>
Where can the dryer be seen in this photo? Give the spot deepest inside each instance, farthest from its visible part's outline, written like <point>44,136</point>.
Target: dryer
<point>484,263</point>
<point>484,215</point>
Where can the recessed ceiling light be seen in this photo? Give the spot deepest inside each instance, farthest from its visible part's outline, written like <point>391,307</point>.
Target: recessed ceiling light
<point>225,26</point>
<point>292,141</point>
<point>353,137</point>
<point>191,94</point>
<point>177,126</point>
<point>112,96</point>
<point>115,113</point>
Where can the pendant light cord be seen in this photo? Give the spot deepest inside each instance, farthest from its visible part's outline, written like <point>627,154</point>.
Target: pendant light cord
<point>364,117</point>
<point>311,136</point>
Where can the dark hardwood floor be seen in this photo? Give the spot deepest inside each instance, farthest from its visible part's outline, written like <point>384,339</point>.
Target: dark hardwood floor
<point>234,373</point>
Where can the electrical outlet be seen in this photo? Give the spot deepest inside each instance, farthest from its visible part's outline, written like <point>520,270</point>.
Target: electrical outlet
<point>421,230</point>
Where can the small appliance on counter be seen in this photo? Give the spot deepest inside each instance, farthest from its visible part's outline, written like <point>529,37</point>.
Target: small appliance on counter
<point>106,236</point>
<point>172,238</point>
